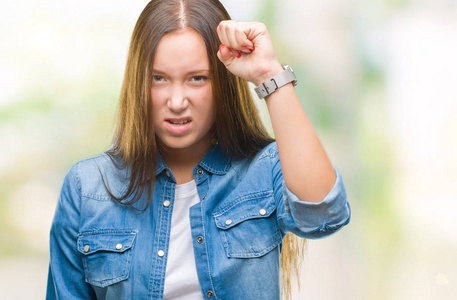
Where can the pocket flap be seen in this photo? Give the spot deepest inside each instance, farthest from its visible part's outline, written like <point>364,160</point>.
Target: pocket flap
<point>253,206</point>
<point>112,241</point>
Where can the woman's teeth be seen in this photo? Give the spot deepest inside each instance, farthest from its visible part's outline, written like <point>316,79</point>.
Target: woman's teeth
<point>179,123</point>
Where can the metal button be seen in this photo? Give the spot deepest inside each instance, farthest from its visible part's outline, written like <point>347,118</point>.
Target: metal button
<point>86,248</point>
<point>161,253</point>
<point>200,172</point>
<point>203,198</point>
<point>228,222</point>
<point>209,294</point>
<point>200,239</point>
<point>262,212</point>
<point>168,173</point>
<point>166,203</point>
<point>119,246</point>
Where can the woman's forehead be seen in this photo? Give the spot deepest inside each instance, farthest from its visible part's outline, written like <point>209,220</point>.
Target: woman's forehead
<point>181,50</point>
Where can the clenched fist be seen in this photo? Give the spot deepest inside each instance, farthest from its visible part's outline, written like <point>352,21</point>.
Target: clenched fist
<point>247,50</point>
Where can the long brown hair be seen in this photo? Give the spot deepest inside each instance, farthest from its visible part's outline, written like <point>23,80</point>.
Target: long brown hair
<point>238,127</point>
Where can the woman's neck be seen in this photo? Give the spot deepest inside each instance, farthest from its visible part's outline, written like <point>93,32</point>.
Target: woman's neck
<point>183,161</point>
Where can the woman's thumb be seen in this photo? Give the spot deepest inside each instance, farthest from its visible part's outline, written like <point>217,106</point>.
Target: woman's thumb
<point>226,55</point>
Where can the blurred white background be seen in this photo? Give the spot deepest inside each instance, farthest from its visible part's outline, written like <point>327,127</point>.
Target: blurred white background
<point>376,77</point>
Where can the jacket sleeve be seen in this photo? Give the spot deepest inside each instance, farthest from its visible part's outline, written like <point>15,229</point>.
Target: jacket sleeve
<point>307,219</point>
<point>66,278</point>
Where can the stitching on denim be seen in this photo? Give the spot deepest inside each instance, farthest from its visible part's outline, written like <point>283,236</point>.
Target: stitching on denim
<point>96,197</point>
<point>206,245</point>
<point>225,241</point>
<point>78,181</point>
<point>98,157</point>
<point>125,273</point>
<point>257,254</point>
<point>218,171</point>
<point>106,282</point>
<point>153,272</point>
<point>246,217</point>
<point>276,241</point>
<point>318,229</point>
<point>83,238</point>
<point>252,196</point>
<point>168,230</point>
<point>227,166</point>
<point>214,170</point>
<point>206,250</point>
<point>107,231</point>
<point>237,172</point>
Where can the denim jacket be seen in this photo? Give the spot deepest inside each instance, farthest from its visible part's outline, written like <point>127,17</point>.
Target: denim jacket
<point>103,250</point>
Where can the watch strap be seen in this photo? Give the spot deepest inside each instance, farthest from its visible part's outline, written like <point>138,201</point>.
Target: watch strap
<point>275,82</point>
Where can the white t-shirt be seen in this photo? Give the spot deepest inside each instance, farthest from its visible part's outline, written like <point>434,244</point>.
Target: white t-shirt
<point>181,281</point>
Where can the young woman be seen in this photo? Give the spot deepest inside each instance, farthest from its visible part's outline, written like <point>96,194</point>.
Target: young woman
<point>193,199</point>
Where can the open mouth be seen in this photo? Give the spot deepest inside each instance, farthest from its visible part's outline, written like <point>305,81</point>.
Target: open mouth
<point>178,126</point>
<point>182,122</point>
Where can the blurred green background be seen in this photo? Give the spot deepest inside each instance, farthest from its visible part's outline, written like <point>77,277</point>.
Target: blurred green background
<point>376,77</point>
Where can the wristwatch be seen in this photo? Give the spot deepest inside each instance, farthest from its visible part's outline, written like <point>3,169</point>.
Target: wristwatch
<point>275,82</point>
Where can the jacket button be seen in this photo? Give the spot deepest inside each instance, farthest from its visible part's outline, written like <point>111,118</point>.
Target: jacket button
<point>168,173</point>
<point>200,239</point>
<point>262,212</point>
<point>161,253</point>
<point>209,294</point>
<point>228,222</point>
<point>166,203</point>
<point>203,198</point>
<point>86,248</point>
<point>200,172</point>
<point>119,246</point>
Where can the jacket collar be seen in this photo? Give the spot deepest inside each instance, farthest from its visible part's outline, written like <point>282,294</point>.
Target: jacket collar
<point>215,161</point>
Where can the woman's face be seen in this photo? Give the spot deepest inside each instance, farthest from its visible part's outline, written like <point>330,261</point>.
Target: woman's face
<point>182,100</point>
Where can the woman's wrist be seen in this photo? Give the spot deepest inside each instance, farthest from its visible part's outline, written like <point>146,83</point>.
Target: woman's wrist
<point>274,70</point>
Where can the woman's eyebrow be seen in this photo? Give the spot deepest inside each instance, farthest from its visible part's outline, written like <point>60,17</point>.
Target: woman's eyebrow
<point>191,72</point>
<point>158,71</point>
<point>199,72</point>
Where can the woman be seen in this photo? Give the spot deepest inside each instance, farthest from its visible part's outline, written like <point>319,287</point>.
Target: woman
<point>192,201</point>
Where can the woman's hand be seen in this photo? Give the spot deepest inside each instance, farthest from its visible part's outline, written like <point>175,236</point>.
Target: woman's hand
<point>247,50</point>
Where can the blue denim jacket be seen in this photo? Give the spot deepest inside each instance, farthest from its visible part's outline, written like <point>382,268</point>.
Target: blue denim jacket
<point>103,250</point>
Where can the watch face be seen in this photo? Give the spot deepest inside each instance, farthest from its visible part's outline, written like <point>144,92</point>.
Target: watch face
<point>295,78</point>
<point>286,67</point>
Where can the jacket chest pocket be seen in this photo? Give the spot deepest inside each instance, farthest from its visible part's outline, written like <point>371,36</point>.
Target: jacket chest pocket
<point>248,227</point>
<point>106,255</point>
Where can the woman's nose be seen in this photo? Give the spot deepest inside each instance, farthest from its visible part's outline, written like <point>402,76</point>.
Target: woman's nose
<point>177,100</point>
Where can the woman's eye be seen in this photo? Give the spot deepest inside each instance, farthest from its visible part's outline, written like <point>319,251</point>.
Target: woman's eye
<point>157,78</point>
<point>199,78</point>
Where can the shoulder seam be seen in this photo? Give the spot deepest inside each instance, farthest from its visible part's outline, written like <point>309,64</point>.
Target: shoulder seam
<point>78,181</point>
